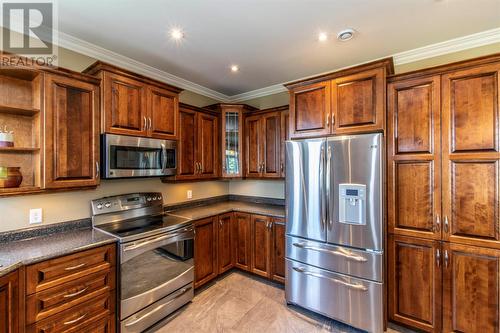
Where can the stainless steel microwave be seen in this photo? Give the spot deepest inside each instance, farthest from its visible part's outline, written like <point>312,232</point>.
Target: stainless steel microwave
<point>129,157</point>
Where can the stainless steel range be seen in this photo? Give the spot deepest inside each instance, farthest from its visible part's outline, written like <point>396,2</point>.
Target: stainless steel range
<point>156,257</point>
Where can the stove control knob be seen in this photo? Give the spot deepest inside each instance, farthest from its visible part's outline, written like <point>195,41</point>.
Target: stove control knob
<point>107,204</point>
<point>159,197</point>
<point>149,199</point>
<point>99,205</point>
<point>154,198</point>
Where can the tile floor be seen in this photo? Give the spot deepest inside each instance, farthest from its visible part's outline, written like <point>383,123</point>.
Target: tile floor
<point>240,302</point>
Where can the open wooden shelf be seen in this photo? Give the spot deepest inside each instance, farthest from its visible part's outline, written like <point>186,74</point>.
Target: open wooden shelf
<point>18,149</point>
<point>18,110</point>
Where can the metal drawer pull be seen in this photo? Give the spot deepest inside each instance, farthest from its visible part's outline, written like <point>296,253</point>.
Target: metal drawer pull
<point>438,257</point>
<point>154,240</point>
<point>72,268</point>
<point>446,228</point>
<point>75,320</point>
<point>347,284</point>
<point>336,253</point>
<point>159,307</point>
<point>77,293</point>
<point>438,224</point>
<point>446,258</point>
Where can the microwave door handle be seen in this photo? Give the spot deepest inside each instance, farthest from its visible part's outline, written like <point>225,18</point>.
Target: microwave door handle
<point>164,155</point>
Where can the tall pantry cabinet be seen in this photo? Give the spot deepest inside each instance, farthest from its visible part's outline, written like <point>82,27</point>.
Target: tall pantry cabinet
<point>443,182</point>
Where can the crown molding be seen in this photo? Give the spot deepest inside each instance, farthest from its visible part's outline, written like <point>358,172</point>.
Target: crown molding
<point>266,91</point>
<point>450,46</point>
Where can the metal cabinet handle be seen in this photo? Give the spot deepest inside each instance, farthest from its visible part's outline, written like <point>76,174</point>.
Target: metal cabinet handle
<point>333,119</point>
<point>438,223</point>
<point>220,223</point>
<point>270,225</point>
<point>281,166</point>
<point>77,293</point>
<point>446,259</point>
<point>345,254</point>
<point>438,257</point>
<point>446,224</point>
<point>72,268</point>
<point>327,120</point>
<point>145,124</point>
<point>150,123</point>
<point>158,308</point>
<point>97,170</point>
<point>347,284</point>
<point>75,320</point>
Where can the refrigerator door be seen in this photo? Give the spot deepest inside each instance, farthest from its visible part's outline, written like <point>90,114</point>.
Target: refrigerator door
<point>355,191</point>
<point>305,200</point>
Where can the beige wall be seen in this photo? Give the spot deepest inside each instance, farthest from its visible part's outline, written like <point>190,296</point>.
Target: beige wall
<point>258,188</point>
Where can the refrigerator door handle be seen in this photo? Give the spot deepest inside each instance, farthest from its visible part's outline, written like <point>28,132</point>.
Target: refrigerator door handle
<point>318,275</point>
<point>321,187</point>
<point>328,181</point>
<point>344,254</point>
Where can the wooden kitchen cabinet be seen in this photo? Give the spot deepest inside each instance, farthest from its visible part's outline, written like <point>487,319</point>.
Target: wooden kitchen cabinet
<point>261,245</point>
<point>471,291</point>
<point>135,105</point>
<point>187,153</point>
<point>278,249</point>
<point>414,157</point>
<point>205,251</point>
<point>253,144</point>
<point>225,243</point>
<point>243,240</point>
<point>208,145</point>
<point>414,288</point>
<point>71,132</point>
<point>285,135</point>
<point>9,303</point>
<point>344,102</point>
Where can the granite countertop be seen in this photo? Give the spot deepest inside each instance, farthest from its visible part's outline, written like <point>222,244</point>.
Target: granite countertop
<point>17,253</point>
<point>200,212</point>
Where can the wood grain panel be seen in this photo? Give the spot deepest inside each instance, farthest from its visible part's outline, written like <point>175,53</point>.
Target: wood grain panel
<point>471,291</point>
<point>163,111</point>
<point>187,143</point>
<point>9,303</point>
<point>272,136</point>
<point>253,144</point>
<point>243,241</point>
<point>205,251</point>
<point>285,135</point>
<point>278,250</point>
<point>208,145</point>
<point>261,243</point>
<point>225,242</point>
<point>414,269</point>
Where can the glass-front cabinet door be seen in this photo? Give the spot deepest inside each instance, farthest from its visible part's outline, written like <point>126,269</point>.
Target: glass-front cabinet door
<point>232,142</point>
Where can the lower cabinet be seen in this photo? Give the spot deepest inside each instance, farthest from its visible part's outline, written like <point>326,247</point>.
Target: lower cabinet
<point>9,303</point>
<point>443,287</point>
<point>252,243</point>
<point>205,251</point>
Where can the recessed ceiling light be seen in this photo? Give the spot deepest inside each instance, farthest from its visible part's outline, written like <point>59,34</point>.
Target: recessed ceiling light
<point>234,68</point>
<point>176,34</point>
<point>322,36</point>
<point>345,35</point>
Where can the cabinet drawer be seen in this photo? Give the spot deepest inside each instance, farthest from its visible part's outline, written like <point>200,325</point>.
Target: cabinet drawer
<point>95,315</point>
<point>55,300</point>
<point>57,271</point>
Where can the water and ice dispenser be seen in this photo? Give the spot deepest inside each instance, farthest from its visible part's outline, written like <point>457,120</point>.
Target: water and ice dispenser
<point>352,204</point>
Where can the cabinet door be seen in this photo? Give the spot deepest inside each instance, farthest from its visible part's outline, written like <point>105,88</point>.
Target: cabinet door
<point>471,156</point>
<point>125,104</point>
<point>471,290</point>
<point>253,143</point>
<point>9,303</point>
<point>243,240</point>
<point>232,142</point>
<point>71,133</point>
<point>285,135</point>
<point>271,124</point>
<point>261,244</point>
<point>186,167</point>
<point>358,102</point>
<point>205,251</point>
<point>225,242</point>
<point>310,110</point>
<point>163,112</point>
<point>414,289</point>
<point>278,250</point>
<point>414,163</point>
<point>208,145</point>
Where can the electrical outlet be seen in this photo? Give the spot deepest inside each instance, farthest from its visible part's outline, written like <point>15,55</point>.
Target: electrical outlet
<point>36,216</point>
<point>189,194</point>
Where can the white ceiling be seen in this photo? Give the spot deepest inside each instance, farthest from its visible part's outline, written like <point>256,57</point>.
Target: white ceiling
<point>273,41</point>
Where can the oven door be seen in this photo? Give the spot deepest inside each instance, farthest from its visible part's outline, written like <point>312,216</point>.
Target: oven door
<point>154,267</point>
<point>128,156</point>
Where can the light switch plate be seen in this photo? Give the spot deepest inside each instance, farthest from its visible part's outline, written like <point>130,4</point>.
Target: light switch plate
<point>189,194</point>
<point>35,216</point>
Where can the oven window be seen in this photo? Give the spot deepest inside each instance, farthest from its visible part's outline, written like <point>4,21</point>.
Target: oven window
<point>135,158</point>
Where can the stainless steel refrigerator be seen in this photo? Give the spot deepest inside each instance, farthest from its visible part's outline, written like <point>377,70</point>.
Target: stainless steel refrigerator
<point>335,223</point>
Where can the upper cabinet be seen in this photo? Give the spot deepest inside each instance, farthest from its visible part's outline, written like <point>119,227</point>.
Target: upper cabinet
<point>136,105</point>
<point>348,101</point>
<point>231,137</point>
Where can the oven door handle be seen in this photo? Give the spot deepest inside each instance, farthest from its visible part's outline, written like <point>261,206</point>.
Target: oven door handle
<point>159,307</point>
<point>139,244</point>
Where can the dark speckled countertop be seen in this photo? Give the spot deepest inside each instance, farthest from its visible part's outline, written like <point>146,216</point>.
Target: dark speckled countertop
<point>200,212</point>
<point>17,253</point>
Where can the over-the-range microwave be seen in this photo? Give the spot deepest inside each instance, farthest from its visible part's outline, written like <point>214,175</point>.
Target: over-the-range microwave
<point>125,156</point>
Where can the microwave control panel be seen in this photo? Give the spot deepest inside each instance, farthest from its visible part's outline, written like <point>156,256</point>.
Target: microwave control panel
<point>352,204</point>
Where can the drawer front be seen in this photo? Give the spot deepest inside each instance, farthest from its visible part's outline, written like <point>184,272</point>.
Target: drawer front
<point>82,318</point>
<point>55,300</point>
<point>356,302</point>
<point>60,270</point>
<point>363,264</point>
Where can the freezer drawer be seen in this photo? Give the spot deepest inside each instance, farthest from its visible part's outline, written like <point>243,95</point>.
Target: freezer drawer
<point>359,263</point>
<point>356,302</point>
